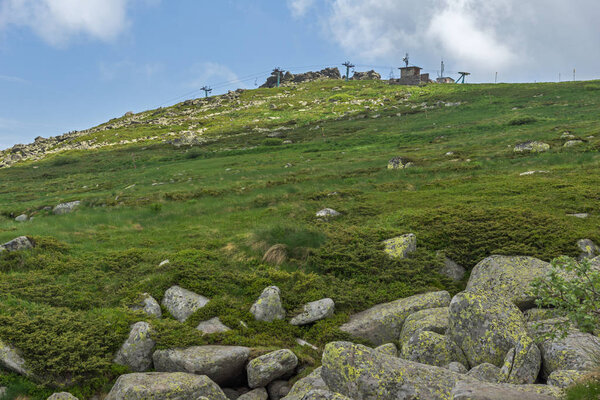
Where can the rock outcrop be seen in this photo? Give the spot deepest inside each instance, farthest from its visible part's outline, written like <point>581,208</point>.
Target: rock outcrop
<point>289,78</point>
<point>366,76</point>
<point>400,163</point>
<point>66,208</point>
<point>531,147</point>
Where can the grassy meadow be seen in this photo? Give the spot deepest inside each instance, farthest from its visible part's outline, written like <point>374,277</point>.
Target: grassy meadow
<point>214,209</point>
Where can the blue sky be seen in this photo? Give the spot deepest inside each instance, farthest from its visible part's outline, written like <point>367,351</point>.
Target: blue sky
<point>71,64</point>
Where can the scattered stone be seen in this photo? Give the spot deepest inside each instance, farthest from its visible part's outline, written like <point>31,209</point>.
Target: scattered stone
<point>531,147</point>
<point>256,394</point>
<point>452,270</point>
<point>20,243</point>
<point>314,311</point>
<point>265,369</point>
<point>287,142</point>
<point>328,213</point>
<point>400,163</point>
<point>213,325</point>
<point>163,263</point>
<point>278,389</point>
<point>389,348</point>
<point>457,367</point>
<point>533,173</point>
<point>432,349</point>
<point>164,386</point>
<point>149,305</point>
<point>66,208</point>
<point>222,364</point>
<point>565,378</point>
<point>509,278</point>
<point>567,135</point>
<point>314,381</point>
<point>485,372</point>
<point>401,246</point>
<point>22,218</point>
<point>268,306</point>
<point>579,215</point>
<point>62,396</point>
<point>302,342</point>
<point>432,319</point>
<point>136,352</point>
<point>588,249</point>
<point>11,360</point>
<point>383,323</point>
<point>182,303</point>
<point>572,143</point>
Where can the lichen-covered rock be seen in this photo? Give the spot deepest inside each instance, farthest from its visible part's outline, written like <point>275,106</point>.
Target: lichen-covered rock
<point>136,352</point>
<point>213,325</point>
<point>222,364</point>
<point>588,248</point>
<point>148,305</point>
<point>314,311</point>
<point>486,327</point>
<point>383,323</point>
<point>265,369</point>
<point>20,243</point>
<point>164,386</point>
<point>540,314</point>
<point>521,364</point>
<point>314,381</point>
<point>433,320</point>
<point>327,213</point>
<point>509,278</point>
<point>479,390</point>
<point>256,394</point>
<point>432,349</point>
<point>577,351</point>
<point>182,303</point>
<point>66,208</point>
<point>389,348</point>
<point>324,395</point>
<point>278,389</point>
<point>485,372</point>
<point>457,367</point>
<point>268,306</point>
<point>12,361</point>
<point>401,246</point>
<point>452,270</point>
<point>565,378</point>
<point>531,147</point>
<point>400,163</point>
<point>62,396</point>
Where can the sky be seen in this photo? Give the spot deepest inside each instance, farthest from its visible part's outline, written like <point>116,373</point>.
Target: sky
<point>72,64</point>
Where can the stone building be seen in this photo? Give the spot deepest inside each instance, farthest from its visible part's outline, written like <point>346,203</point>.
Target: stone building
<point>411,76</point>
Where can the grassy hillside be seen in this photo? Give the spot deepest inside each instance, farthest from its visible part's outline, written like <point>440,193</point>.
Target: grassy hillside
<point>213,209</point>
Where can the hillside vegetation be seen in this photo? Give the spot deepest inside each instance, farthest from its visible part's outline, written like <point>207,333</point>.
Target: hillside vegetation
<point>250,171</point>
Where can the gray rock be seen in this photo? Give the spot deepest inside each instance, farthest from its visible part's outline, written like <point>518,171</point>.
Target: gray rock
<point>531,147</point>
<point>136,352</point>
<point>400,163</point>
<point>148,305</point>
<point>314,381</point>
<point>66,208</point>
<point>22,218</point>
<point>489,391</point>
<point>12,361</point>
<point>222,364</point>
<point>521,365</point>
<point>571,143</point>
<point>213,325</point>
<point>563,379</point>
<point>366,76</point>
<point>268,306</point>
<point>328,213</point>
<point>457,367</point>
<point>579,215</point>
<point>182,303</point>
<point>62,396</point>
<point>432,349</point>
<point>486,327</point>
<point>256,394</point>
<point>509,278</point>
<point>433,320</point>
<point>164,386</point>
<point>389,348</point>
<point>452,270</point>
<point>265,369</point>
<point>231,394</point>
<point>588,248</point>
<point>485,372</point>
<point>315,311</point>
<point>383,323</point>
<point>278,389</point>
<point>20,243</point>
<point>401,246</point>
<point>324,395</point>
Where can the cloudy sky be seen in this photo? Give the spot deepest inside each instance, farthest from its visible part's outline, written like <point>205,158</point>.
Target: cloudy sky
<point>70,64</point>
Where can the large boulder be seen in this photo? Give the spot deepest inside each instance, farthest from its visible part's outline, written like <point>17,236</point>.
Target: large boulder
<point>222,364</point>
<point>164,386</point>
<point>136,352</point>
<point>314,381</point>
<point>485,372</point>
<point>66,208</point>
<point>12,361</point>
<point>265,369</point>
<point>383,323</point>
<point>509,278</point>
<point>432,349</point>
<point>182,303</point>
<point>148,305</point>
<point>389,348</point>
<point>489,391</point>
<point>486,327</point>
<point>433,320</point>
<point>365,374</point>
<point>564,379</point>
<point>268,307</point>
<point>20,243</point>
<point>401,246</point>
<point>314,311</point>
<point>577,351</point>
<point>366,76</point>
<point>522,364</point>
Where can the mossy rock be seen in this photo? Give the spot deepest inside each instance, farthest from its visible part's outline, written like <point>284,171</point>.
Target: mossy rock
<point>433,319</point>
<point>432,349</point>
<point>400,247</point>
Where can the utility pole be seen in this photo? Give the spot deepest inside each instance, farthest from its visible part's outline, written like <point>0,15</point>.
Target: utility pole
<point>574,74</point>
<point>207,90</point>
<point>559,77</point>
<point>463,75</point>
<point>442,69</point>
<point>348,65</point>
<point>278,71</point>
<point>496,79</point>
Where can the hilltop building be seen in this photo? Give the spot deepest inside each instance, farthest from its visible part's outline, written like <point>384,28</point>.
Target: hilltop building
<point>445,79</point>
<point>411,76</point>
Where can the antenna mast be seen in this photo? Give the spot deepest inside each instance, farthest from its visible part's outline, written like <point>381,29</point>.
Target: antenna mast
<point>443,67</point>
<point>405,59</point>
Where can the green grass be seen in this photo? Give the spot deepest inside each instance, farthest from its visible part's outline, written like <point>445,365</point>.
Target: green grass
<point>214,209</point>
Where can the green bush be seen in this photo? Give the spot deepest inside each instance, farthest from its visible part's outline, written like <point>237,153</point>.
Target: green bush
<point>524,120</point>
<point>272,142</point>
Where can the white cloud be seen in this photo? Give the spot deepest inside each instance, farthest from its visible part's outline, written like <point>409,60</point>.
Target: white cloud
<point>299,8</point>
<point>57,21</point>
<point>12,79</point>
